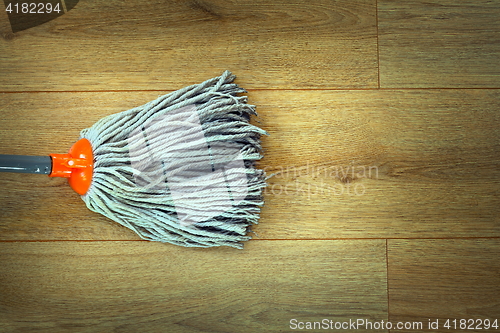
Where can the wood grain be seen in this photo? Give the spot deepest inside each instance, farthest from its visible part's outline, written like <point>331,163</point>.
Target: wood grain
<point>363,176</point>
<point>142,45</point>
<point>439,43</point>
<point>151,287</point>
<point>443,279</point>
<point>425,164</point>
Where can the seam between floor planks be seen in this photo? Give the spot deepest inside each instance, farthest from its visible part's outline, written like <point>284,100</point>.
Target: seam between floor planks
<point>378,44</point>
<point>387,281</point>
<point>266,240</point>
<point>249,90</point>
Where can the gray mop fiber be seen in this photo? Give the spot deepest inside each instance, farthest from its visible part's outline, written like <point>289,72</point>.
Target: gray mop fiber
<point>181,169</point>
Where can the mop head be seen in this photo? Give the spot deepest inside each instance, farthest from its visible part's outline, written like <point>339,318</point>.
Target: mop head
<point>181,169</point>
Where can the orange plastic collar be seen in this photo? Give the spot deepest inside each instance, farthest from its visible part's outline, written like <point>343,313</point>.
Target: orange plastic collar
<point>78,166</point>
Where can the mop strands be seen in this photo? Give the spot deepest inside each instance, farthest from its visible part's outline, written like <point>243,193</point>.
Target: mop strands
<point>179,169</point>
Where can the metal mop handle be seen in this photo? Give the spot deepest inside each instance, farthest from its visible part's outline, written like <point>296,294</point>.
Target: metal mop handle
<point>26,164</point>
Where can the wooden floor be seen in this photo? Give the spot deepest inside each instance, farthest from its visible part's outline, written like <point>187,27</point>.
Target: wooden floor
<point>384,139</point>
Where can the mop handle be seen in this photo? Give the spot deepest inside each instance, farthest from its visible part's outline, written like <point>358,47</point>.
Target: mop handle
<point>77,165</point>
<point>26,164</point>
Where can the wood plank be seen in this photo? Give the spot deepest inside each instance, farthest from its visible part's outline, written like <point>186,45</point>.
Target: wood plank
<point>425,162</point>
<point>444,279</point>
<point>151,287</point>
<point>439,43</point>
<point>39,207</point>
<point>143,45</point>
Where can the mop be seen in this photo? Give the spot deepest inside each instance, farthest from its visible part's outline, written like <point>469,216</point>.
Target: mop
<point>179,169</point>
